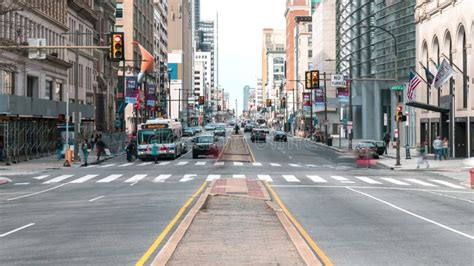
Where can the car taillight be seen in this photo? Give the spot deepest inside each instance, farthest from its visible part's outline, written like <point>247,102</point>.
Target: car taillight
<point>163,148</point>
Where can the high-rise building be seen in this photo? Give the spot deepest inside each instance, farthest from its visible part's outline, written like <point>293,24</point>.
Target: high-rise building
<point>160,49</point>
<point>259,93</point>
<point>445,32</point>
<point>274,41</point>
<point>368,32</point>
<point>245,102</point>
<point>206,37</point>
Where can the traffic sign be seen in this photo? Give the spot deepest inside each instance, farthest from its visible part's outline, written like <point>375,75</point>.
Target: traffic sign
<point>398,87</point>
<point>337,80</point>
<point>349,124</point>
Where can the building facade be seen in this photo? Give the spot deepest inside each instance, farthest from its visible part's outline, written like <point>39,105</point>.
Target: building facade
<point>445,31</point>
<point>206,36</point>
<point>160,43</point>
<point>272,40</point>
<point>245,99</point>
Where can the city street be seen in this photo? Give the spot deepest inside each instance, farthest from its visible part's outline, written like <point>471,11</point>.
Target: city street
<point>110,214</point>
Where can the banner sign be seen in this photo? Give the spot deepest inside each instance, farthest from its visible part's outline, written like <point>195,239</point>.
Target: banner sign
<point>151,97</point>
<point>307,104</point>
<point>318,103</point>
<point>337,80</point>
<point>343,95</point>
<point>132,90</point>
<point>445,72</point>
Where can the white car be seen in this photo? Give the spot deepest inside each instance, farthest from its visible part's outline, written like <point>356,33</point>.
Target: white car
<point>468,163</point>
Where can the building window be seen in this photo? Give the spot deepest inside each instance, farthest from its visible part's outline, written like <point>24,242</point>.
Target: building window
<point>31,86</point>
<point>49,89</point>
<point>119,10</point>
<point>59,91</point>
<point>9,82</point>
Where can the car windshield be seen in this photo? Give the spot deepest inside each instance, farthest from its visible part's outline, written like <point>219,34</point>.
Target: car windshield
<point>205,139</point>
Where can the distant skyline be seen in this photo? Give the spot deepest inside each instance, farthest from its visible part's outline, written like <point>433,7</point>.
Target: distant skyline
<point>240,39</point>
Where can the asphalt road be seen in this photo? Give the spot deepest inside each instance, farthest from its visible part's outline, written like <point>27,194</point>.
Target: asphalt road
<point>110,214</point>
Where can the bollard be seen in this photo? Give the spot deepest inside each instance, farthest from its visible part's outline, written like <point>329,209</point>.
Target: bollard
<point>472,177</point>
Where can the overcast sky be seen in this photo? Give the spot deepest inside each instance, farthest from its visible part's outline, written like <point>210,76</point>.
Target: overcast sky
<point>240,43</point>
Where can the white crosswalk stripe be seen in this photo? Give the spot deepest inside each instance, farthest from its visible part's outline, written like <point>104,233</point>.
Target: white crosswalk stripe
<point>395,181</point>
<point>83,179</point>
<point>238,164</point>
<point>125,164</point>
<point>135,178</point>
<point>163,163</point>
<point>257,164</point>
<point>419,182</point>
<point>238,176</point>
<point>40,177</point>
<point>290,178</point>
<point>213,177</point>
<point>107,165</point>
<point>442,182</point>
<point>219,164</point>
<point>110,178</point>
<point>58,179</point>
<point>201,163</point>
<point>267,178</point>
<point>294,165</point>
<point>143,164</point>
<point>367,180</point>
<point>161,178</point>
<point>342,179</point>
<point>317,179</point>
<point>182,163</point>
<point>92,166</point>
<point>275,164</point>
<point>187,178</point>
<point>311,165</point>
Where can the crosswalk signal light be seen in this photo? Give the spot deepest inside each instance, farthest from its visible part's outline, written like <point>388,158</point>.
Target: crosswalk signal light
<point>315,79</point>
<point>269,103</point>
<point>283,102</point>
<point>117,46</point>
<point>201,100</point>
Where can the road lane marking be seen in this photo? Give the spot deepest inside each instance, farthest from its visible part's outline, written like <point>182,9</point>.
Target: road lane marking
<point>143,164</point>
<point>442,182</point>
<point>135,178</point>
<point>22,184</point>
<point>368,180</point>
<point>40,177</point>
<point>212,177</point>
<point>275,164</point>
<point>125,164</point>
<point>294,165</point>
<point>16,230</point>
<point>187,178</point>
<point>338,178</point>
<point>413,214</point>
<point>201,163</point>
<point>451,197</point>
<point>133,184</point>
<point>316,179</point>
<point>319,252</point>
<point>161,178</point>
<point>168,228</point>
<point>290,178</point>
<point>395,181</point>
<point>328,166</point>
<point>108,179</point>
<point>107,165</point>
<point>219,163</point>
<point>83,179</point>
<point>238,164</point>
<point>163,163</point>
<point>265,178</point>
<point>238,176</point>
<point>182,163</point>
<point>312,165</point>
<point>94,199</point>
<point>419,182</point>
<point>257,164</point>
<point>36,193</point>
<point>58,179</point>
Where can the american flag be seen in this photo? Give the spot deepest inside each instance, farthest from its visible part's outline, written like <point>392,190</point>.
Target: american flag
<point>414,81</point>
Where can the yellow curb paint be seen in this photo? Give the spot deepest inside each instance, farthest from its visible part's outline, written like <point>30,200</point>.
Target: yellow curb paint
<point>325,260</point>
<point>250,150</point>
<point>168,228</point>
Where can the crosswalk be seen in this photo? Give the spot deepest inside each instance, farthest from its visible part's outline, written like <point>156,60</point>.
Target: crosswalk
<point>275,178</point>
<point>219,163</point>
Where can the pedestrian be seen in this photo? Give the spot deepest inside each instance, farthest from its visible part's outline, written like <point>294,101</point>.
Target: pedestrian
<point>154,151</point>
<point>92,141</point>
<point>100,146</point>
<point>445,148</point>
<point>2,147</point>
<point>438,148</point>
<point>59,148</point>
<point>130,150</point>
<point>85,147</point>
<point>386,139</point>
<point>422,156</point>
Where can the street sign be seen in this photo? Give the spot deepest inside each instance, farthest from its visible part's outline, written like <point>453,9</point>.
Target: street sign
<point>398,87</point>
<point>349,124</point>
<point>337,80</point>
<point>36,53</point>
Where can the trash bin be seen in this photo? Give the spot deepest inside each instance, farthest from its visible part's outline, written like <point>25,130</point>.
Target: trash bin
<point>329,141</point>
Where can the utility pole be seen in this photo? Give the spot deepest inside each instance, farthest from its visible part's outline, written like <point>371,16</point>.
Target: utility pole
<point>76,100</point>
<point>350,105</point>
<point>325,110</point>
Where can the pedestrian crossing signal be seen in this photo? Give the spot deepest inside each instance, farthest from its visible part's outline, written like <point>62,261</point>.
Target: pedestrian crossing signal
<point>201,100</point>
<point>269,103</point>
<point>117,46</point>
<point>283,102</point>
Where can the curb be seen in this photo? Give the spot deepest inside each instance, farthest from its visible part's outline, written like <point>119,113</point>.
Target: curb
<point>103,160</point>
<point>322,145</point>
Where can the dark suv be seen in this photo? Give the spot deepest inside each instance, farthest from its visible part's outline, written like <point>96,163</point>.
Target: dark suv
<point>258,135</point>
<point>204,145</point>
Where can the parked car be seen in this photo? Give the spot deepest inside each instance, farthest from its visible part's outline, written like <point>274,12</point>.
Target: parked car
<point>198,129</point>
<point>280,136</point>
<point>258,135</point>
<point>188,132</point>
<point>210,127</point>
<point>366,150</point>
<point>219,131</point>
<point>204,145</point>
<point>248,128</point>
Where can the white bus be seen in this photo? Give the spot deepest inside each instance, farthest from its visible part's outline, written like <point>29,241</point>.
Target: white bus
<point>166,133</point>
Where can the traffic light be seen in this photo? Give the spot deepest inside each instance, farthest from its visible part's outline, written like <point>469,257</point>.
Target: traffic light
<point>117,47</point>
<point>269,103</point>
<point>201,100</point>
<point>258,108</point>
<point>315,79</point>
<point>399,114</point>
<point>283,102</point>
<point>308,83</point>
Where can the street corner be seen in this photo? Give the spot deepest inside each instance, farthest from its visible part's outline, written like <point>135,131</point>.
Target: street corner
<point>4,180</point>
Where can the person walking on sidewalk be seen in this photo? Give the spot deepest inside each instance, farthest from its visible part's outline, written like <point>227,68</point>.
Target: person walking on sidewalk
<point>438,147</point>
<point>100,147</point>
<point>445,148</point>
<point>422,156</point>
<point>2,148</point>
<point>85,147</point>
<point>386,139</point>
<point>131,150</point>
